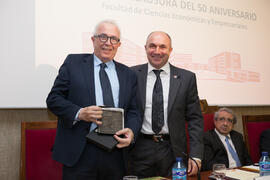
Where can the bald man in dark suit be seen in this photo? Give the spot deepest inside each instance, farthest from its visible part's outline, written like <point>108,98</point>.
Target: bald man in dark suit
<point>174,91</point>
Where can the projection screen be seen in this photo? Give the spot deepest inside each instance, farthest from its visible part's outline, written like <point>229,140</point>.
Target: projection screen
<point>226,43</point>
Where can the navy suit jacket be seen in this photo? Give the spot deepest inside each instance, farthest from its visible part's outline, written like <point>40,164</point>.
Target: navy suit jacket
<point>215,152</point>
<point>74,88</point>
<point>183,106</point>
<point>265,141</point>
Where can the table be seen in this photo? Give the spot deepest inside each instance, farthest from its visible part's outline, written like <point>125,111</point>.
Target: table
<point>204,176</point>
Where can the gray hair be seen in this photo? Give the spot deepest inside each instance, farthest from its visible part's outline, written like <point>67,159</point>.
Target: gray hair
<point>228,111</point>
<point>107,22</point>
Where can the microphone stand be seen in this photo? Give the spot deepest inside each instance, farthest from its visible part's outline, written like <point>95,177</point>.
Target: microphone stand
<point>198,172</point>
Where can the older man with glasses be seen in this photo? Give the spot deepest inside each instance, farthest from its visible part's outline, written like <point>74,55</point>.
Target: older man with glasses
<point>224,145</point>
<point>85,82</point>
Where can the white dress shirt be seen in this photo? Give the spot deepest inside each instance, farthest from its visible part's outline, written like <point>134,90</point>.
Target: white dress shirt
<point>150,82</point>
<point>232,162</point>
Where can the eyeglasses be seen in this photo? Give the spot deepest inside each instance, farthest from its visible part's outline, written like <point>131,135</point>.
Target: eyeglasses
<point>104,38</point>
<point>222,119</point>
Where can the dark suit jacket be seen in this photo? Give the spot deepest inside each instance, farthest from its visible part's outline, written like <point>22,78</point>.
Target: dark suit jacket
<point>183,106</point>
<point>265,141</point>
<point>74,88</point>
<point>215,152</point>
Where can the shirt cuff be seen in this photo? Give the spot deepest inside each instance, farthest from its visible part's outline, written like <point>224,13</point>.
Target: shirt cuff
<point>76,119</point>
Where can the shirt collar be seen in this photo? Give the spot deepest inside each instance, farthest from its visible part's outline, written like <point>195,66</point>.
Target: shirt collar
<point>97,62</point>
<point>221,136</point>
<point>165,68</point>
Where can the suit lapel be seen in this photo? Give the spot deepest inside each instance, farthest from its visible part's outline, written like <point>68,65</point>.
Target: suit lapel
<point>88,74</point>
<point>142,77</point>
<point>175,83</point>
<point>122,83</point>
<point>219,145</point>
<point>236,145</point>
<point>218,141</point>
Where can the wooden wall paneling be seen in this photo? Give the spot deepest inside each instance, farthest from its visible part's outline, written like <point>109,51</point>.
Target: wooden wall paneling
<point>10,133</point>
<point>10,137</point>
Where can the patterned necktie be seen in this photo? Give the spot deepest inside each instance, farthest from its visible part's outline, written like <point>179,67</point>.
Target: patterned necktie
<point>232,152</point>
<point>157,105</point>
<point>106,86</point>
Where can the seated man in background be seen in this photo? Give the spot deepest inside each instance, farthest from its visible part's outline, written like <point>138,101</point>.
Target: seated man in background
<point>223,144</point>
<point>265,141</point>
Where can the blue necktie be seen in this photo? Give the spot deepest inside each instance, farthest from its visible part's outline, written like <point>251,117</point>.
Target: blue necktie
<point>232,151</point>
<point>157,105</point>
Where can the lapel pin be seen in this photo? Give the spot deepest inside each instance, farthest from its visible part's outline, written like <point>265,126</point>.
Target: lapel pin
<point>175,76</point>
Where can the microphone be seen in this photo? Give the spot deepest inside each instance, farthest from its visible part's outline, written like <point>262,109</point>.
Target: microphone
<point>198,172</point>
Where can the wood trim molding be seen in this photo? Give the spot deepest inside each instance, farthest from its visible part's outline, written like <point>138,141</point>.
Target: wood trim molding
<point>207,109</point>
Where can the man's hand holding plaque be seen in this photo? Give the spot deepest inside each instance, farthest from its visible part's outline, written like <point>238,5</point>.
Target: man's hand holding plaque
<point>110,131</point>
<point>124,137</point>
<point>112,121</point>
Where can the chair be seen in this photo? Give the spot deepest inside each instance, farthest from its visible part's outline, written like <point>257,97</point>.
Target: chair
<point>208,118</point>
<point>208,115</point>
<point>253,125</point>
<point>37,139</point>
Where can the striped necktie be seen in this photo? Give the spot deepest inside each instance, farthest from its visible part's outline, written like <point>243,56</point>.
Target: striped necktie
<point>157,104</point>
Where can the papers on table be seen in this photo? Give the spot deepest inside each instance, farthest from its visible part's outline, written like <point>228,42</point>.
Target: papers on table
<point>252,167</point>
<point>263,178</point>
<point>241,174</point>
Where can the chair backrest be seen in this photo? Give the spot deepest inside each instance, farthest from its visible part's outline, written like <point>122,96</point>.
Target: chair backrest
<point>253,125</point>
<point>37,139</point>
<point>208,115</point>
<point>208,118</point>
<point>208,125</point>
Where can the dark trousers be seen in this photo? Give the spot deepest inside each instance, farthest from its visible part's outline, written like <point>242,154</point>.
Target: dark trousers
<point>96,164</point>
<point>149,158</point>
